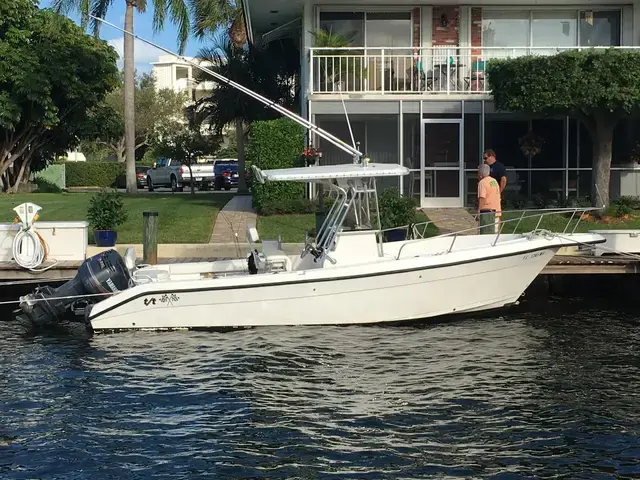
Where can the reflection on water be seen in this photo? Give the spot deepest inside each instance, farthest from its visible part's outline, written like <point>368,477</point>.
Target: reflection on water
<point>536,395</point>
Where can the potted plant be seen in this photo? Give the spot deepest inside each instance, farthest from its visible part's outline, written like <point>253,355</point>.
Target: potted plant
<point>106,212</point>
<point>397,214</point>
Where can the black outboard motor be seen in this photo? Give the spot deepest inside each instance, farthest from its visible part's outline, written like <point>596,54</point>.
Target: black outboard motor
<point>105,273</point>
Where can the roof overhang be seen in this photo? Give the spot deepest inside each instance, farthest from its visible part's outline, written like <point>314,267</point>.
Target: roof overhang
<point>263,17</point>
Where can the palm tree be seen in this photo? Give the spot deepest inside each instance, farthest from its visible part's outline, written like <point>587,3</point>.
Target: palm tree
<point>270,70</point>
<point>207,13</point>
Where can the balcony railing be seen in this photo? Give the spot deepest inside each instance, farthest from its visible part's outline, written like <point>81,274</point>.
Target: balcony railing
<point>435,70</point>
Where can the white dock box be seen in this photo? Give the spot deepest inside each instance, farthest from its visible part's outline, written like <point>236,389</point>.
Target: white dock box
<point>627,241</point>
<point>66,241</point>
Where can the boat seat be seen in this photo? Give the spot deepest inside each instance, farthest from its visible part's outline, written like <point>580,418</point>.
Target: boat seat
<point>151,275</point>
<point>271,257</point>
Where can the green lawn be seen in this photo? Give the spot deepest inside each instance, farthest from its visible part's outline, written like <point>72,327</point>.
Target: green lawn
<point>181,218</point>
<point>292,227</point>
<point>557,223</point>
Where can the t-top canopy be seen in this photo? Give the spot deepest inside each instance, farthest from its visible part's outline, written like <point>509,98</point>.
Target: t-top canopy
<point>328,172</point>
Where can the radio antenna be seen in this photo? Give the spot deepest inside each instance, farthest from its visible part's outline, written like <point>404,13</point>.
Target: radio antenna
<point>269,103</point>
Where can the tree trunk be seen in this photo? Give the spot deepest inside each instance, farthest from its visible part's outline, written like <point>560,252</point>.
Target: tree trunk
<point>120,156</point>
<point>602,137</point>
<point>193,183</point>
<point>18,180</point>
<point>242,184</point>
<point>129,101</point>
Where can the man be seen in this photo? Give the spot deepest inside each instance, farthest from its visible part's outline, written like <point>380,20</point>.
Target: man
<point>488,200</point>
<point>498,170</point>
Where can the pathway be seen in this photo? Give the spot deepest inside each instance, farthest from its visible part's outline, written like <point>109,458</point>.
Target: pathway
<point>451,219</point>
<point>232,219</point>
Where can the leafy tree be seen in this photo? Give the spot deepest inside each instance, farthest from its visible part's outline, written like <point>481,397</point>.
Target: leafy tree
<point>207,12</point>
<point>186,142</point>
<point>155,111</point>
<point>51,76</point>
<point>270,70</point>
<point>597,87</point>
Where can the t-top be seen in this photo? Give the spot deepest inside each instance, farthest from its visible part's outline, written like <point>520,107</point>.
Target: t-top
<point>488,194</point>
<point>498,170</point>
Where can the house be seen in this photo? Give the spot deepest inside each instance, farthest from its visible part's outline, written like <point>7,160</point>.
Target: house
<point>174,73</point>
<point>412,79</point>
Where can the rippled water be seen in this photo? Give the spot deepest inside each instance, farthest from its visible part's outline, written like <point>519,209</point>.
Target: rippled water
<point>553,394</point>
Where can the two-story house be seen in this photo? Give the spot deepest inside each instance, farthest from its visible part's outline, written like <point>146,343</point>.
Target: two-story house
<point>412,77</point>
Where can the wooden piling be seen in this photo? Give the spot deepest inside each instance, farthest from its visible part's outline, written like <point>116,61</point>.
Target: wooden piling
<point>150,238</point>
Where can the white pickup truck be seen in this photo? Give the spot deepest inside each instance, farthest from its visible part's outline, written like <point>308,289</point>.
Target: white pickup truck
<point>167,172</point>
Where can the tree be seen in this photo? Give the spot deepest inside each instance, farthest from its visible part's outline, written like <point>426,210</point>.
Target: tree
<point>179,11</point>
<point>186,142</point>
<point>44,111</point>
<point>597,87</point>
<point>270,70</point>
<point>155,111</point>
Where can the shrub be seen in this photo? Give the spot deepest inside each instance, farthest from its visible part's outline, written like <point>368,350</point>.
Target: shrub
<point>287,206</point>
<point>89,174</point>
<point>275,144</point>
<point>106,211</point>
<point>45,186</point>
<point>618,210</point>
<point>396,211</point>
<point>632,202</point>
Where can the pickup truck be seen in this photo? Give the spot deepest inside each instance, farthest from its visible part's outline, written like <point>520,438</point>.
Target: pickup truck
<point>167,172</point>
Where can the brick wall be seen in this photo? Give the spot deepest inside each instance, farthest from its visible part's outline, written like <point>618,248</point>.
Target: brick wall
<point>448,35</point>
<point>415,24</point>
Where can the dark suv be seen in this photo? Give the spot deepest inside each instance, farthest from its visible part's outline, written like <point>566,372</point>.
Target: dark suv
<point>226,175</point>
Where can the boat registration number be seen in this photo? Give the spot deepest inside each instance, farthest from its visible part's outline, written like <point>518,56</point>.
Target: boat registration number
<point>530,256</point>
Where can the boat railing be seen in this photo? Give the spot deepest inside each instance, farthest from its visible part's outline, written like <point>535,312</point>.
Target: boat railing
<point>573,216</point>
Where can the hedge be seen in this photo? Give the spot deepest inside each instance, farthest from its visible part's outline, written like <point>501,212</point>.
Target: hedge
<point>92,174</point>
<point>276,144</point>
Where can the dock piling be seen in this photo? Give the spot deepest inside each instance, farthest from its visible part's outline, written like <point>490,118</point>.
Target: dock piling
<point>150,238</point>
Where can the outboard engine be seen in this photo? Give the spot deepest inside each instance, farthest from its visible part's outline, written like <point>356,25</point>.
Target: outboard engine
<point>99,276</point>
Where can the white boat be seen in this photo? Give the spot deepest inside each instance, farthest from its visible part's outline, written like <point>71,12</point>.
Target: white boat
<point>343,275</point>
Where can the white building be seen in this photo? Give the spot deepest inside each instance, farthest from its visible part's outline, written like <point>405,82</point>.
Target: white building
<point>413,81</point>
<point>176,74</point>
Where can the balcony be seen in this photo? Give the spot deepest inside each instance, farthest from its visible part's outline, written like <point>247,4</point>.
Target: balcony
<point>430,70</point>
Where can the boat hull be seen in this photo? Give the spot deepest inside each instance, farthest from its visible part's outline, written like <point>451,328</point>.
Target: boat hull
<point>296,299</point>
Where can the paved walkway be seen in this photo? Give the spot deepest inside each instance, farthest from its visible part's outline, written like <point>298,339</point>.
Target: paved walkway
<point>451,219</point>
<point>232,219</point>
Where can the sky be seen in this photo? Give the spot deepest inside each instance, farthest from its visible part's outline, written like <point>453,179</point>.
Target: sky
<point>143,53</point>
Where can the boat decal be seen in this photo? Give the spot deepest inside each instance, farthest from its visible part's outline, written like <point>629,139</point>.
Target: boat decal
<point>167,299</point>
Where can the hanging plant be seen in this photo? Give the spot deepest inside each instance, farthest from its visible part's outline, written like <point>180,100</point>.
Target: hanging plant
<point>531,144</point>
<point>634,155</point>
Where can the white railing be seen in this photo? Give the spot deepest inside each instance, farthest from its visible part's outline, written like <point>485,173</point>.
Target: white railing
<point>511,222</point>
<point>439,69</point>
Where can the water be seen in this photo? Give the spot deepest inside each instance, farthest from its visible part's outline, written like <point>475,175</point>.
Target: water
<point>537,395</point>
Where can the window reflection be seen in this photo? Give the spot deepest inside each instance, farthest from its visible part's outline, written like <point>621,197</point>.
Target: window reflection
<point>600,28</point>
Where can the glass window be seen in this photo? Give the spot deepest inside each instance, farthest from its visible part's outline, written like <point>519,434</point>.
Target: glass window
<point>554,28</point>
<point>389,30</point>
<point>505,29</point>
<point>348,25</point>
<point>600,29</point>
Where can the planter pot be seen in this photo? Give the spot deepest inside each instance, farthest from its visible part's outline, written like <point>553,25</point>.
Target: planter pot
<point>396,235</point>
<point>105,238</point>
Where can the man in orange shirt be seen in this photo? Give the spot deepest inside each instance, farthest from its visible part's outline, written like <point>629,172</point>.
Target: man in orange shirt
<point>488,200</point>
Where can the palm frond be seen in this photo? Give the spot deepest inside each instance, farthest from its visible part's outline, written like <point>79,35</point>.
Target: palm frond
<point>99,9</point>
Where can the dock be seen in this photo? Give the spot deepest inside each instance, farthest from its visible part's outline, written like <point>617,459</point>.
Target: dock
<point>12,274</point>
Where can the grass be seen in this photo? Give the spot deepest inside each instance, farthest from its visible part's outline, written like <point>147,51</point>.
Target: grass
<point>558,222</point>
<point>181,218</point>
<point>292,227</point>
